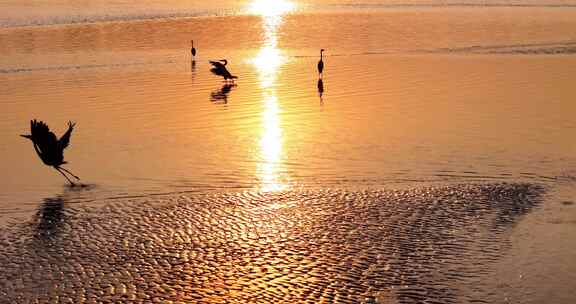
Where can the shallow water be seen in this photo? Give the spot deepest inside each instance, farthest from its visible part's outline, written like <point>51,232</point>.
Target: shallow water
<point>420,103</point>
<point>14,13</point>
<point>399,105</point>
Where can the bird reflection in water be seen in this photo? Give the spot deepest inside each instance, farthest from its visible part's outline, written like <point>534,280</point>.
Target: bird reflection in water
<point>320,86</point>
<point>192,70</point>
<point>49,218</point>
<point>220,96</point>
<point>193,66</point>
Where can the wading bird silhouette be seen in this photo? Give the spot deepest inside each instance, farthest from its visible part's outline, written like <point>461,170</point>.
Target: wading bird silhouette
<point>219,69</point>
<point>321,63</point>
<point>49,149</point>
<point>193,49</point>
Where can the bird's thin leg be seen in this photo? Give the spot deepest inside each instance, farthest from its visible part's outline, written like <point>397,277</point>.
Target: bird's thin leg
<point>76,177</point>
<point>71,183</point>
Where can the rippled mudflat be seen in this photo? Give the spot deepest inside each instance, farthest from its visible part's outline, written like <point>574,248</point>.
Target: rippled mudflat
<point>391,246</point>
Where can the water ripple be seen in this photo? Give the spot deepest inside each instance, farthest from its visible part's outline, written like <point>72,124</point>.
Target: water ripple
<point>403,246</point>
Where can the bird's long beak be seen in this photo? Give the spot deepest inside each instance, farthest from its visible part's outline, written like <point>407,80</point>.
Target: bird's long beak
<point>27,136</point>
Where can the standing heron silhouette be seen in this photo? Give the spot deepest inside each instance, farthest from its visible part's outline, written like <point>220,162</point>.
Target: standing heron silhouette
<point>321,63</point>
<point>193,50</point>
<point>220,69</point>
<point>49,149</point>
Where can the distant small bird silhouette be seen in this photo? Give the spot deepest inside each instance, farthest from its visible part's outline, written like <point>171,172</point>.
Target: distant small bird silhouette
<point>49,149</point>
<point>193,49</point>
<point>219,69</point>
<point>321,63</point>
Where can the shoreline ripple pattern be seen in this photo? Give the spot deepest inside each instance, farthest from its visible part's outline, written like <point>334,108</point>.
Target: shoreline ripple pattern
<point>417,245</point>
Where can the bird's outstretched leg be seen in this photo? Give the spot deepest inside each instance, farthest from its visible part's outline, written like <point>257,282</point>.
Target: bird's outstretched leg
<point>71,182</point>
<point>76,177</point>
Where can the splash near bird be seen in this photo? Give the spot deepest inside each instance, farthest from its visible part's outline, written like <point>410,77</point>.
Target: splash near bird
<point>219,69</point>
<point>321,63</point>
<point>49,149</point>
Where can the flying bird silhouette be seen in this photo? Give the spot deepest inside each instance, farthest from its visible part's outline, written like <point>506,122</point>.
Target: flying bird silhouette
<point>321,63</point>
<point>193,49</point>
<point>219,69</point>
<point>49,149</point>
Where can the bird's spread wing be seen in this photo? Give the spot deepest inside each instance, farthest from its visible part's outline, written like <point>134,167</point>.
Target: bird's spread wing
<point>218,71</point>
<point>65,139</point>
<point>41,135</point>
<point>217,68</point>
<point>38,129</point>
<point>216,64</point>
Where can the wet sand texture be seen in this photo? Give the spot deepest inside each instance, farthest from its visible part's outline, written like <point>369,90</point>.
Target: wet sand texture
<point>419,245</point>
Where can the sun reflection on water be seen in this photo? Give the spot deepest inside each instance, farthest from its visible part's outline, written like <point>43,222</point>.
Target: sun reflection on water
<point>268,62</point>
<point>271,7</point>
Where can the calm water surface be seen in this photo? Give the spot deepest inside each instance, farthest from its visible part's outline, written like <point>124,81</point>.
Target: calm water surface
<point>422,95</point>
<point>414,96</point>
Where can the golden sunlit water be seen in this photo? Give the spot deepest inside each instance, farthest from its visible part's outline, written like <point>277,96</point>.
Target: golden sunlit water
<point>272,8</point>
<point>268,63</point>
<point>434,162</point>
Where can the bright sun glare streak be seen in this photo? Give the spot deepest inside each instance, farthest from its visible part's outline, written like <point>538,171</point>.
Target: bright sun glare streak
<point>271,7</point>
<point>271,147</point>
<point>267,62</point>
